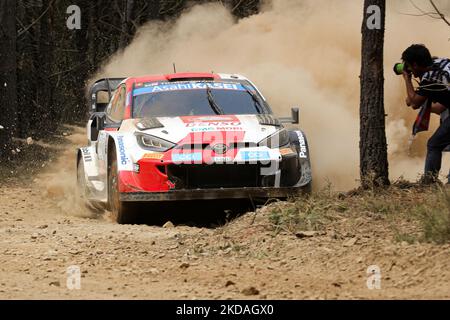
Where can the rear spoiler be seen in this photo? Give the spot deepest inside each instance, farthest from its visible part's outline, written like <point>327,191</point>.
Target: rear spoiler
<point>105,85</point>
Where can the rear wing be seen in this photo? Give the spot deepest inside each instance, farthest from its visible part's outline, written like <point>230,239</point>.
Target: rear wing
<point>107,85</point>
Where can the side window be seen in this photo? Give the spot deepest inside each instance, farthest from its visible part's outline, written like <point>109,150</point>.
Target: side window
<point>109,108</point>
<point>118,104</point>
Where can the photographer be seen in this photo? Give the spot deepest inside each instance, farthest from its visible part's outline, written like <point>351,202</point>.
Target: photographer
<point>432,95</point>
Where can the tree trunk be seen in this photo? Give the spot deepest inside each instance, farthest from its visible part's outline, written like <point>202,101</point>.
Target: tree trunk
<point>8,77</point>
<point>125,36</point>
<point>373,148</point>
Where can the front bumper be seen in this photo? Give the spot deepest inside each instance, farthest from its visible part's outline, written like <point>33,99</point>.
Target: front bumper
<point>226,181</point>
<point>218,193</point>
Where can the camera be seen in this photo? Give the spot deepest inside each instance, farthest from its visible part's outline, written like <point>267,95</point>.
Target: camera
<point>400,67</point>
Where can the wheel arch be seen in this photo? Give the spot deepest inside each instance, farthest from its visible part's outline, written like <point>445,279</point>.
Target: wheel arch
<point>299,140</point>
<point>79,155</point>
<point>110,147</point>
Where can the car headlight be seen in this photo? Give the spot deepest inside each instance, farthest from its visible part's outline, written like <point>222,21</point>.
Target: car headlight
<point>276,140</point>
<point>153,143</point>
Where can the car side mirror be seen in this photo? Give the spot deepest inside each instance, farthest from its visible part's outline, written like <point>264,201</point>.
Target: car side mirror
<point>294,118</point>
<point>97,124</point>
<point>101,121</point>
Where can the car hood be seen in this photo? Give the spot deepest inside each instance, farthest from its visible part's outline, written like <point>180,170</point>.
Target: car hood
<point>200,129</point>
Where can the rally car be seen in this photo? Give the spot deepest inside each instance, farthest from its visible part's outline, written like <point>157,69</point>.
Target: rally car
<point>187,136</point>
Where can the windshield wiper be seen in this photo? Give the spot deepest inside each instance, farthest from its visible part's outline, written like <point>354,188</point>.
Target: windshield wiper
<point>212,103</point>
<point>255,99</point>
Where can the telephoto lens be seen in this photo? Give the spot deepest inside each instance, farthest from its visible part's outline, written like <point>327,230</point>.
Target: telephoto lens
<point>399,68</point>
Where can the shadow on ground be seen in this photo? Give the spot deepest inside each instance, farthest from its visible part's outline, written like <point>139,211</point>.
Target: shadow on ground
<point>202,213</point>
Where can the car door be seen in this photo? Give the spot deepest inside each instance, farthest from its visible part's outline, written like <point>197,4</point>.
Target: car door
<point>114,116</point>
<point>111,124</point>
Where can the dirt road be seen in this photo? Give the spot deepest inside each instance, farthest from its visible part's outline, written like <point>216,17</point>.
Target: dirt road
<point>43,232</point>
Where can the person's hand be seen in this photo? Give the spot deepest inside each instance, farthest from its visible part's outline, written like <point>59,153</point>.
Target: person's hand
<point>408,102</point>
<point>407,75</point>
<point>437,108</point>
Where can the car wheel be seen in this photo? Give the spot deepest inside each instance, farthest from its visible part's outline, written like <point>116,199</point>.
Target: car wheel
<point>122,212</point>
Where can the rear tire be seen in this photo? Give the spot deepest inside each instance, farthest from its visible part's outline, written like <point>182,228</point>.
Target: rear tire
<point>122,212</point>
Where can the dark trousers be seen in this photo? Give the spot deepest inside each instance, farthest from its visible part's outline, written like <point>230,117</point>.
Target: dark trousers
<point>436,144</point>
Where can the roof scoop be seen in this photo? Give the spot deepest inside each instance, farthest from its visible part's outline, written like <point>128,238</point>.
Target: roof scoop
<point>190,77</point>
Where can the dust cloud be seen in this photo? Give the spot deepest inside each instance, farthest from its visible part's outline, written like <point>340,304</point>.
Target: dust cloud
<point>59,181</point>
<point>304,53</point>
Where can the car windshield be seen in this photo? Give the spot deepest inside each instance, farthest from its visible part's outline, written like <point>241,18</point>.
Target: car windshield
<point>195,98</point>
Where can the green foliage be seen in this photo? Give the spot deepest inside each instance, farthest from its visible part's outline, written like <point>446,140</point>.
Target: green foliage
<point>411,212</point>
<point>305,214</point>
<point>435,218</point>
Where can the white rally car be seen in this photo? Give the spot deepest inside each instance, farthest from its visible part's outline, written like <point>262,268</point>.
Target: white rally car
<point>187,136</point>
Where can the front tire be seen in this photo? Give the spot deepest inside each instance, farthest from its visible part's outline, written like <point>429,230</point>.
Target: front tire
<point>122,212</point>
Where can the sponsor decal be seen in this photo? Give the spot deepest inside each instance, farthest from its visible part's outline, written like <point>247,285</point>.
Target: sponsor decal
<point>303,151</point>
<point>212,123</point>
<point>170,184</point>
<point>122,154</point>
<point>165,87</point>
<point>216,129</point>
<point>214,126</point>
<point>286,151</point>
<point>155,155</point>
<point>222,159</point>
<point>86,154</point>
<point>255,155</point>
<point>202,129</point>
<point>187,157</point>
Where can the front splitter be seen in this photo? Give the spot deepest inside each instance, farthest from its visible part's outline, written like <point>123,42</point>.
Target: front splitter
<point>217,193</point>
